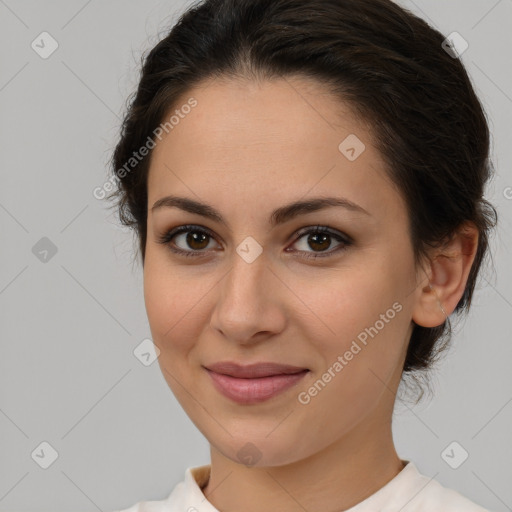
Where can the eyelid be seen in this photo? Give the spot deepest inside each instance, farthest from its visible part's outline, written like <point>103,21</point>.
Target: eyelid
<point>322,229</point>
<point>342,237</point>
<point>166,237</point>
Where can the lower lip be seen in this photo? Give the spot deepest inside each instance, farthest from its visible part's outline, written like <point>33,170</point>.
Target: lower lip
<point>251,391</point>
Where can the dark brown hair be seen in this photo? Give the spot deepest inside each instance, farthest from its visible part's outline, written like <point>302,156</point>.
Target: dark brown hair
<point>387,63</point>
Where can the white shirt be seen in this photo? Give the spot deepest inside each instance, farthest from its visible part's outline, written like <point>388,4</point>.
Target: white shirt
<point>408,491</point>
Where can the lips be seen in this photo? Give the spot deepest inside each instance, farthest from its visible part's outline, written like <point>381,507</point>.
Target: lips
<point>251,384</point>
<point>253,371</point>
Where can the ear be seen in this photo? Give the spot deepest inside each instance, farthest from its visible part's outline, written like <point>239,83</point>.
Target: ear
<point>444,277</point>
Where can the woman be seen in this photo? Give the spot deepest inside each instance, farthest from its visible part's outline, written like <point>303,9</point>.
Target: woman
<point>306,183</point>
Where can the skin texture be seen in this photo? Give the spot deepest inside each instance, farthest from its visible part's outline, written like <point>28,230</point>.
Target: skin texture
<point>247,148</point>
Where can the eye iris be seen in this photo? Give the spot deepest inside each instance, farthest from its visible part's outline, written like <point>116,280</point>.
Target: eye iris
<point>192,238</point>
<point>323,236</point>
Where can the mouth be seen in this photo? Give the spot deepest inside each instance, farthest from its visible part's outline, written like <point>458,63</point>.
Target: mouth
<point>253,383</point>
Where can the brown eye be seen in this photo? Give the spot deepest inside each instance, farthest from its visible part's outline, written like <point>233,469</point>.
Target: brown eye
<point>192,240</point>
<point>320,240</point>
<point>196,239</point>
<point>187,240</point>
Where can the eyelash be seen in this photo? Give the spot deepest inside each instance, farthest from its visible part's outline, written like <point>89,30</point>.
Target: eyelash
<point>316,230</point>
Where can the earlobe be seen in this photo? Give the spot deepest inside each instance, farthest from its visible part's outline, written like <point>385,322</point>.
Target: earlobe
<point>447,274</point>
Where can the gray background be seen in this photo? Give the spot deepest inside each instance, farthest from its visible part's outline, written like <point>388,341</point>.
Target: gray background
<point>69,326</point>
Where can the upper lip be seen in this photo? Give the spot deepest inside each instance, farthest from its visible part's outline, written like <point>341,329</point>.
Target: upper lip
<point>263,369</point>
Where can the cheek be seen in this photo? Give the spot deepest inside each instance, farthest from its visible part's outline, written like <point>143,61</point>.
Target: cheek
<point>344,304</point>
<point>362,319</point>
<point>358,366</point>
<point>175,306</point>
<point>172,319</point>
<point>166,297</point>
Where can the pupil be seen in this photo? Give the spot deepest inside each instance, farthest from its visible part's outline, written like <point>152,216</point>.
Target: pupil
<point>192,238</point>
<point>324,238</point>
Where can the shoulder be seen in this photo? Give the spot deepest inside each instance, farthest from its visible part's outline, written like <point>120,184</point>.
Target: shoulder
<point>183,498</point>
<point>148,506</point>
<point>171,504</point>
<point>411,491</point>
<point>431,496</point>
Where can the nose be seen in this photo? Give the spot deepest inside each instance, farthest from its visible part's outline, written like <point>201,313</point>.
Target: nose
<point>248,301</point>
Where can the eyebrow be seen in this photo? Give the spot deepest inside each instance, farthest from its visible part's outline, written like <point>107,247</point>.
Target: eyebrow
<point>279,216</point>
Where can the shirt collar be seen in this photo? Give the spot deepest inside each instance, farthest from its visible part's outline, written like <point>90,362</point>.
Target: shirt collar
<point>397,493</point>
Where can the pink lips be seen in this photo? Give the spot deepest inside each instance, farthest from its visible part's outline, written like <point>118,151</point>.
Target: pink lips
<point>253,383</point>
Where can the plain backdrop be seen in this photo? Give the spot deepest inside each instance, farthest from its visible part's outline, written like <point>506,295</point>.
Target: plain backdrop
<point>71,302</point>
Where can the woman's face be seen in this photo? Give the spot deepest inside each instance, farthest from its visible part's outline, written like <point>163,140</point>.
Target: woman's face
<point>248,293</point>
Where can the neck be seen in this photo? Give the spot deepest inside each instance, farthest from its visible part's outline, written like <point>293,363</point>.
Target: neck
<point>334,479</point>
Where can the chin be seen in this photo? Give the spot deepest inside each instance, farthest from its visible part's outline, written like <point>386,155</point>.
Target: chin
<point>261,451</point>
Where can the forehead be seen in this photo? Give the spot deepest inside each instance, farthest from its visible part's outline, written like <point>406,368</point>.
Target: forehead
<point>284,113</point>
<point>265,139</point>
